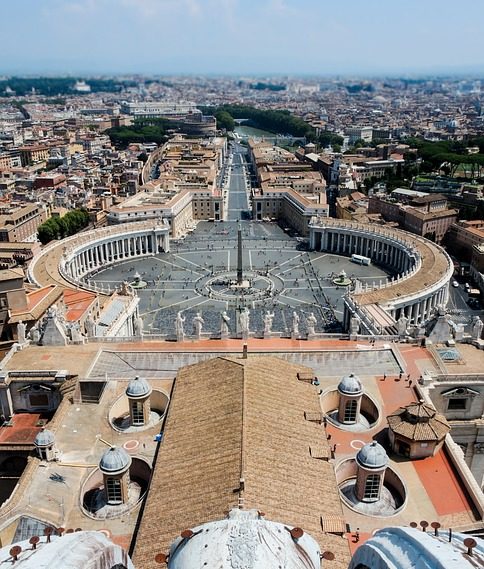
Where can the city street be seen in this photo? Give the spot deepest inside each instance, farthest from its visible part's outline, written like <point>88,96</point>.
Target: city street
<point>238,180</point>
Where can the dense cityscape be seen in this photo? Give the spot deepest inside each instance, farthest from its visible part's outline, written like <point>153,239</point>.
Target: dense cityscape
<point>241,313</point>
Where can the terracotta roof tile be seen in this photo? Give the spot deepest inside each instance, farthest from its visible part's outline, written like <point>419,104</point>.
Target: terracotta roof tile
<point>240,418</point>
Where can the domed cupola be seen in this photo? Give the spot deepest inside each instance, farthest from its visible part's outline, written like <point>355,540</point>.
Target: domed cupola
<point>138,392</point>
<point>44,443</point>
<point>350,393</point>
<point>372,455</point>
<point>371,461</point>
<point>114,460</point>
<point>350,385</point>
<point>114,465</point>
<point>138,388</point>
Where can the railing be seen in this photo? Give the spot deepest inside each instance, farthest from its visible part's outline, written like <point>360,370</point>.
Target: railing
<point>366,320</point>
<point>458,377</point>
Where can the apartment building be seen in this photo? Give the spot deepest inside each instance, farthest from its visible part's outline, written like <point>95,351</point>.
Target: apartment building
<point>34,154</point>
<point>464,236</point>
<point>428,215</point>
<point>289,191</point>
<point>355,133</point>
<point>21,223</point>
<point>185,191</point>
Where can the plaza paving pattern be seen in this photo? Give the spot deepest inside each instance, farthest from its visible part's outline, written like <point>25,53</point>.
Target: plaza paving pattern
<point>301,280</point>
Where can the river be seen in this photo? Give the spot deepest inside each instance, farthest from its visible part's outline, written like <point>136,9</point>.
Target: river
<point>250,131</point>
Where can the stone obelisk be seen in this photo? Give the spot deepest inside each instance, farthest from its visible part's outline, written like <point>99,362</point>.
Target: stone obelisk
<point>239,255</point>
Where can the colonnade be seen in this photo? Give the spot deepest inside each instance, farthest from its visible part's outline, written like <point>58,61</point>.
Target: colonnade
<point>381,249</point>
<point>107,250</point>
<point>414,292</point>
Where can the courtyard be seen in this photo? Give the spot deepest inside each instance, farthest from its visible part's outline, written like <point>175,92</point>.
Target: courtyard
<point>285,278</point>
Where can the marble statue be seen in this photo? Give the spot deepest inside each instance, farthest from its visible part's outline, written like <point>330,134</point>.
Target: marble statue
<point>224,323</point>
<point>244,319</point>
<point>311,322</point>
<point>21,332</point>
<point>138,326</point>
<point>61,310</point>
<point>34,334</point>
<point>295,324</point>
<point>268,319</point>
<point>180,332</point>
<point>90,326</point>
<point>402,323</point>
<point>354,325</point>
<point>198,323</point>
<point>76,335</point>
<point>126,289</point>
<point>52,311</point>
<point>477,328</point>
<point>459,332</point>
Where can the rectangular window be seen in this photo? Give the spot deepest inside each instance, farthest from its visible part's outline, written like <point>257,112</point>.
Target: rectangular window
<point>113,487</point>
<point>372,487</point>
<point>350,411</point>
<point>39,400</point>
<point>138,415</point>
<point>457,404</point>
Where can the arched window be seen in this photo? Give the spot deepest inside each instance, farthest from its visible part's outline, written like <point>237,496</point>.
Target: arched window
<point>372,487</point>
<point>350,411</point>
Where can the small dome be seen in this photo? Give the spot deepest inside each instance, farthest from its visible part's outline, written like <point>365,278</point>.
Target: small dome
<point>114,460</point>
<point>138,387</point>
<point>350,385</point>
<point>372,455</point>
<point>44,438</point>
<point>265,544</point>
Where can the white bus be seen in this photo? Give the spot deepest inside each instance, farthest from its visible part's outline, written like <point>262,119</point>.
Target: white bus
<point>360,259</point>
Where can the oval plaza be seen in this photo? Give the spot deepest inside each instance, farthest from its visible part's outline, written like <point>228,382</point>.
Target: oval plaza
<point>421,269</point>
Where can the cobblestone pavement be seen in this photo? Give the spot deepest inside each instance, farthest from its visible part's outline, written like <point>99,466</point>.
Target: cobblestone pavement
<point>300,281</point>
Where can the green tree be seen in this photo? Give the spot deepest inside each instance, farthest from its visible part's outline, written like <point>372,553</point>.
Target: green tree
<point>225,120</point>
<point>60,227</point>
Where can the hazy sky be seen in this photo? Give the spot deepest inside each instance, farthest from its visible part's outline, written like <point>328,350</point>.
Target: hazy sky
<point>241,36</point>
